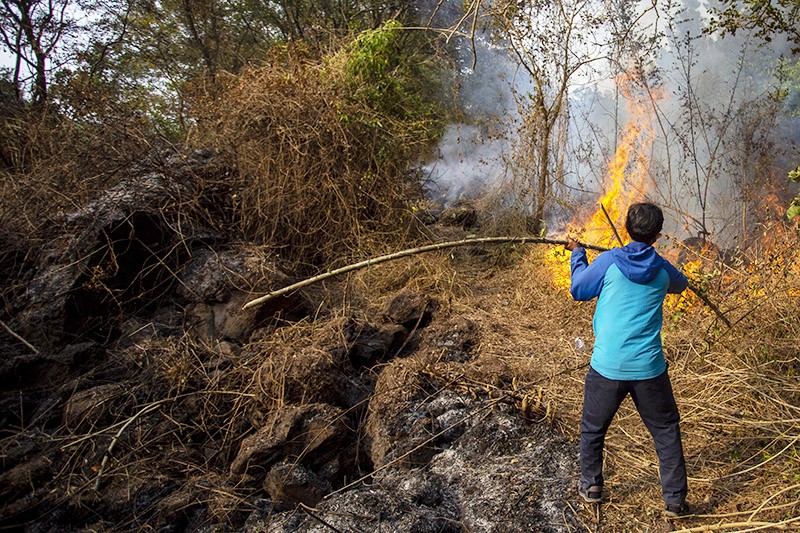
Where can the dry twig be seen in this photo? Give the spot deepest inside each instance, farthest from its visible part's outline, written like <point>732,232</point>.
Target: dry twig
<point>20,339</point>
<point>119,433</point>
<point>749,526</point>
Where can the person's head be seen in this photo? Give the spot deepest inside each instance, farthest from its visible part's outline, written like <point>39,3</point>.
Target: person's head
<point>644,222</point>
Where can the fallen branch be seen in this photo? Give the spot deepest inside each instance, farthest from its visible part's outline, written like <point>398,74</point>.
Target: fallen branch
<point>406,253</point>
<point>443,246</point>
<point>146,409</point>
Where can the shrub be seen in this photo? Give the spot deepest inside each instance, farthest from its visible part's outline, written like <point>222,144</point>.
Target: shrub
<point>322,148</point>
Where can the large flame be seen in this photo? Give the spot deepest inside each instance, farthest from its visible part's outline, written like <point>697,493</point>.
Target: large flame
<point>625,182</point>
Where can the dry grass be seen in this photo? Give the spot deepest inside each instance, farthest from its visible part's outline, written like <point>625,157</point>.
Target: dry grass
<point>736,388</point>
<point>434,275</point>
<point>52,164</point>
<point>187,405</point>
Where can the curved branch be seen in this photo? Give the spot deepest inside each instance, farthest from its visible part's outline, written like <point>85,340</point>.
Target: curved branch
<point>443,246</point>
<point>405,253</point>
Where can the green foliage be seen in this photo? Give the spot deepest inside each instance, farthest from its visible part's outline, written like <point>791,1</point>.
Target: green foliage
<point>374,54</point>
<point>385,70</point>
<point>767,18</point>
<point>392,84</point>
<point>794,209</point>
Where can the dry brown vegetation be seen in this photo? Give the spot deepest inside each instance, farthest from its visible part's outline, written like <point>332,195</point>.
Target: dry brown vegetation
<point>186,406</point>
<point>51,164</point>
<point>322,172</point>
<point>736,388</point>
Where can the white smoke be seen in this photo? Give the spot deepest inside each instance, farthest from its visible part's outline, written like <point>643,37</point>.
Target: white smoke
<point>468,163</point>
<point>699,178</point>
<point>472,155</point>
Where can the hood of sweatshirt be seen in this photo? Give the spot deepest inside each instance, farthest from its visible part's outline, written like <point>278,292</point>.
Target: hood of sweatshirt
<point>639,262</point>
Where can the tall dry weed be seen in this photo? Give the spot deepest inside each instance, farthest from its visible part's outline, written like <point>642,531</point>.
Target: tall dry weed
<point>54,164</point>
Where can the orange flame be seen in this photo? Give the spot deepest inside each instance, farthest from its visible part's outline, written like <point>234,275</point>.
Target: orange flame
<point>625,182</point>
<point>769,267</point>
<point>627,177</point>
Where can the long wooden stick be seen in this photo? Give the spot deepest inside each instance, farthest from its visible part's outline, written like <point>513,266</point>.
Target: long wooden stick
<point>406,253</point>
<point>443,246</point>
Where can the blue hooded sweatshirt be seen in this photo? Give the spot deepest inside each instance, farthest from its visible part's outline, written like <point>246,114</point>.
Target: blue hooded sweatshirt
<point>630,284</point>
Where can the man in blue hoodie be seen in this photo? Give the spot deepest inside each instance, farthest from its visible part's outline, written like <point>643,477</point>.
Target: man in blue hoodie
<point>630,284</point>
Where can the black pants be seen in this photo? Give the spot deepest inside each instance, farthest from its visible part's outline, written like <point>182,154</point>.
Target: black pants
<point>656,405</point>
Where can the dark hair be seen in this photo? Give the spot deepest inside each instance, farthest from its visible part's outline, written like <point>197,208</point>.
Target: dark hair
<point>644,222</point>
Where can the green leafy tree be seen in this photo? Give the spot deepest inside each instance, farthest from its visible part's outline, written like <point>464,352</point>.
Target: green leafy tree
<point>157,54</point>
<point>193,38</point>
<point>314,21</point>
<point>766,18</point>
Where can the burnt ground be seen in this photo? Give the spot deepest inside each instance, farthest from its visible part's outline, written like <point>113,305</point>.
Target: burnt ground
<point>310,425</point>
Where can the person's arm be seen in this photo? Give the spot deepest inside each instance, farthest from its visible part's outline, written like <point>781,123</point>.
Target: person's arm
<point>677,281</point>
<point>587,280</point>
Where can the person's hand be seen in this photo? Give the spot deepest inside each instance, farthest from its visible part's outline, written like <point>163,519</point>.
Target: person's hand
<point>571,244</point>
